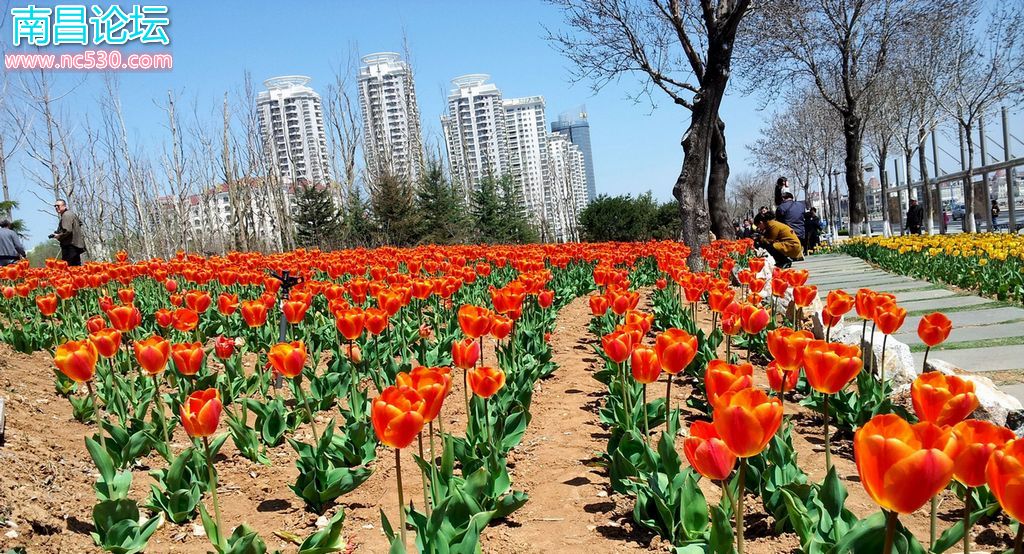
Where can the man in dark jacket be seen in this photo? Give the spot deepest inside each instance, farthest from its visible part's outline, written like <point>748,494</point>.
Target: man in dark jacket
<point>791,212</point>
<point>915,217</point>
<point>812,225</point>
<point>11,249</point>
<point>69,234</point>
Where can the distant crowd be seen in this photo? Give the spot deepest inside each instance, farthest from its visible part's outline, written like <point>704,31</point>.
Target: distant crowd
<point>786,232</point>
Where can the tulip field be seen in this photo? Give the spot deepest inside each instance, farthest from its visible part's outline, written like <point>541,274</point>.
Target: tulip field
<point>534,398</point>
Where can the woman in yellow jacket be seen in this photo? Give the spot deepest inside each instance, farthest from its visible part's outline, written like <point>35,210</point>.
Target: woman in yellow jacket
<point>778,239</point>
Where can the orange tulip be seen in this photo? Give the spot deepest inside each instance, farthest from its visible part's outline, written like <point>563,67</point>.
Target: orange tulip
<point>485,381</point>
<point>397,416</point>
<point>127,296</point>
<point>780,380</point>
<point>719,299</point>
<point>107,341</point>
<point>804,295</point>
<point>864,302</point>
<point>350,322</point>
<point>641,320</point>
<point>934,329</point>
<point>598,305</point>
<point>152,354</point>
<point>432,386</point>
<point>645,366</point>
<point>754,319</point>
<point>787,347</point>
<point>288,358</point>
<point>294,311</point>
<point>618,345</point>
<point>830,366</point>
<point>200,413</point>
<point>47,304</point>
<point>722,377</point>
<point>185,319</point>
<point>977,439</point>
<point>755,264</point>
<point>95,323</point>
<point>707,452</point>
<point>676,349</point>
<point>254,312</point>
<point>828,318</point>
<point>839,302</point>
<point>890,319</point>
<point>474,320</point>
<point>227,303</point>
<point>942,399</point>
<point>624,301</point>
<point>902,466</point>
<point>188,357</point>
<point>198,300</point>
<point>501,327</point>
<point>376,320</point>
<point>77,359</point>
<point>465,353</point>
<point>164,317</point>
<point>1004,475</point>
<point>731,324</point>
<point>746,420</point>
<point>124,318</point>
<point>779,287</point>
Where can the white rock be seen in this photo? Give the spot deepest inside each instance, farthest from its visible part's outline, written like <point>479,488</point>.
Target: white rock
<point>899,364</point>
<point>198,531</point>
<point>993,404</point>
<point>322,522</point>
<point>602,494</point>
<point>12,534</point>
<point>368,526</point>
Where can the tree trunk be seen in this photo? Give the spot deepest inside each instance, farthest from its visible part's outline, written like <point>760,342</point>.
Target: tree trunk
<point>689,187</point>
<point>854,164</point>
<point>928,206</point>
<point>970,219</point>
<point>883,177</point>
<point>717,180</point>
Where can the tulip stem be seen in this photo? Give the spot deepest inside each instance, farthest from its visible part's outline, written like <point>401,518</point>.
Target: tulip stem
<point>828,333</point>
<point>890,531</point>
<point>213,493</point>
<point>487,424</point>
<point>647,426</point>
<point>726,493</point>
<point>465,392</point>
<point>423,477</point>
<point>881,368</point>
<point>668,402</point>
<point>828,440</point>
<point>871,356</point>
<point>96,414</point>
<point>739,505</point>
<point>1018,541</point>
<point>924,364</point>
<point>967,520</point>
<point>309,411</point>
<point>160,407</point>
<point>401,498</point>
<point>352,364</point>
<point>728,349</point>
<point>933,522</point>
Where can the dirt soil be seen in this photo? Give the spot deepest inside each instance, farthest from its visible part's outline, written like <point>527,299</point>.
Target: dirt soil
<point>46,494</point>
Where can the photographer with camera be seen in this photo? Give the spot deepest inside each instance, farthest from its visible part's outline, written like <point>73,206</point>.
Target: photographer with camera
<point>778,240</point>
<point>68,234</point>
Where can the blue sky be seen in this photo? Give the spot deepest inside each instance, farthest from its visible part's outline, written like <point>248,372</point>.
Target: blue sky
<point>635,147</point>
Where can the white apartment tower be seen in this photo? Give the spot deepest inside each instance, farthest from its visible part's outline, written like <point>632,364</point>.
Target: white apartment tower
<point>474,131</point>
<point>526,135</point>
<point>566,187</point>
<point>391,117</point>
<point>292,124</point>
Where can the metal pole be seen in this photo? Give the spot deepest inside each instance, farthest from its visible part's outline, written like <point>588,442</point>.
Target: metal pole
<point>935,173</point>
<point>1011,184</point>
<point>984,175</point>
<point>965,184</point>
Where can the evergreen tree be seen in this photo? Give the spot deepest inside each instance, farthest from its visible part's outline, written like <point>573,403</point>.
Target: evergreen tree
<point>394,213</point>
<point>514,223</point>
<point>357,227</point>
<point>486,211</point>
<point>317,220</point>
<point>7,208</point>
<point>441,208</point>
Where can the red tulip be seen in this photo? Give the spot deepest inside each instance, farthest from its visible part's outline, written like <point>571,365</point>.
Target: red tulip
<point>707,452</point>
<point>288,358</point>
<point>200,413</point>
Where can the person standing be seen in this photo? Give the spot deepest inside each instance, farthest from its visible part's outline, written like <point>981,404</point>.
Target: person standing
<point>915,217</point>
<point>68,234</point>
<point>11,249</point>
<point>791,212</point>
<point>778,240</point>
<point>995,214</point>
<point>781,189</point>
<point>812,224</point>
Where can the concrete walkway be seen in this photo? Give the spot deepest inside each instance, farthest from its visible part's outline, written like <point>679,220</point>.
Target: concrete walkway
<point>987,336</point>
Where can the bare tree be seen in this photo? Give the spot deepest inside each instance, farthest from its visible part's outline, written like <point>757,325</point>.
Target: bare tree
<point>684,49</point>
<point>841,48</point>
<point>986,67</point>
<point>749,192</point>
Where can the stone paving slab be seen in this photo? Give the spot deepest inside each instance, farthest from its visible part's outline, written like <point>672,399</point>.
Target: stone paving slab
<point>928,294</point>
<point>989,358</point>
<point>966,334</point>
<point>861,280</point>
<point>986,316</point>
<point>940,304</point>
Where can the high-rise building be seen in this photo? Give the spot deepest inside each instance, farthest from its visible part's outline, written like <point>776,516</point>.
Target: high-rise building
<point>391,117</point>
<point>474,131</point>
<point>566,190</point>
<point>292,124</point>
<point>526,132</point>
<point>576,127</point>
